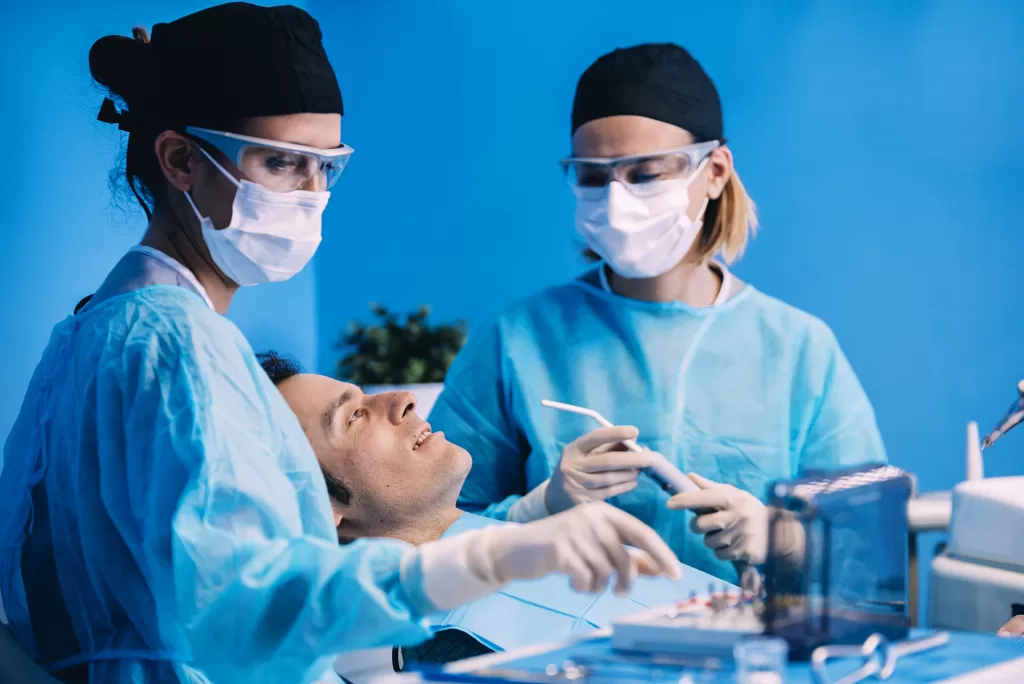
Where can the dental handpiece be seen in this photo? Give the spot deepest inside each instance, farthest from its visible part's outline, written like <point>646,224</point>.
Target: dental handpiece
<point>668,477</point>
<point>1012,418</point>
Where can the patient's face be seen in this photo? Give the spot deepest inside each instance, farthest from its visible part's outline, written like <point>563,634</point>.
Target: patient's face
<point>375,447</point>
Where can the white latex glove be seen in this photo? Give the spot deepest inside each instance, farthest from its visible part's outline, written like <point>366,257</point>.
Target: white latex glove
<point>734,523</point>
<point>587,543</point>
<point>595,467</point>
<point>1013,628</point>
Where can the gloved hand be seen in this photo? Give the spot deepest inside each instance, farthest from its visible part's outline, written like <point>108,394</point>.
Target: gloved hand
<point>595,467</point>
<point>1013,628</point>
<point>587,543</point>
<point>734,522</point>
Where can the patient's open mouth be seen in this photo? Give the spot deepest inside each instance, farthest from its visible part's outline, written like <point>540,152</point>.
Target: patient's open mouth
<point>423,436</point>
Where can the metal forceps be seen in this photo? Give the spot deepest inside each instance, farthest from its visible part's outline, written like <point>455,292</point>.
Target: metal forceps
<point>879,654</point>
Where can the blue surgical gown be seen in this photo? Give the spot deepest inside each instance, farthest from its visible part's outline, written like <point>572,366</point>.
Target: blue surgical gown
<point>765,394</point>
<point>180,529</point>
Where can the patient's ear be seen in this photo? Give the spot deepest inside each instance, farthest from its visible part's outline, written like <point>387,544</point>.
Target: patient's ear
<point>337,517</point>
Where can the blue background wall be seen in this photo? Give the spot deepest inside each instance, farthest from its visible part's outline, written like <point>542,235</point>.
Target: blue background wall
<point>882,141</point>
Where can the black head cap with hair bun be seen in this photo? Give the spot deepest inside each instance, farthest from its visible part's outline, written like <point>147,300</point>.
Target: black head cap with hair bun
<point>658,81</point>
<point>221,64</point>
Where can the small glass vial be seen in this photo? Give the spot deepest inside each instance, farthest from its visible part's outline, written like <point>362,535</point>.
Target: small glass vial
<point>761,660</point>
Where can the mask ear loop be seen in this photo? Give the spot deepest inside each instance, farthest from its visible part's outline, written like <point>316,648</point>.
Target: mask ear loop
<point>237,183</point>
<point>707,199</point>
<point>703,208</point>
<point>220,168</point>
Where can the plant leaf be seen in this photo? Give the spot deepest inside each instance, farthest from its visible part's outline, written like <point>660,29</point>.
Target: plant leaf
<point>397,352</point>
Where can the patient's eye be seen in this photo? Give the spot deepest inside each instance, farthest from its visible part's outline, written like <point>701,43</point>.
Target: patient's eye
<point>358,413</point>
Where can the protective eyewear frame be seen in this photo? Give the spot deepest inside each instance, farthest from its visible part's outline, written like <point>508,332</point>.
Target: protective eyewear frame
<point>695,153</point>
<point>232,145</point>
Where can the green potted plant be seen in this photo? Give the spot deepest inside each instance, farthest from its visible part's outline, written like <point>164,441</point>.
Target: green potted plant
<point>390,354</point>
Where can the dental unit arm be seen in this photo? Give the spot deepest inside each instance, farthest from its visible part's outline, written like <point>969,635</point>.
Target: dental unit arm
<point>979,575</point>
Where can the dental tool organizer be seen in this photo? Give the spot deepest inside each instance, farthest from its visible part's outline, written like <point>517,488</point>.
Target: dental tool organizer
<point>852,579</point>
<point>847,581</point>
<point>707,625</point>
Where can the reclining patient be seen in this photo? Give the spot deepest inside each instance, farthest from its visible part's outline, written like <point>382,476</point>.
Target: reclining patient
<point>390,476</point>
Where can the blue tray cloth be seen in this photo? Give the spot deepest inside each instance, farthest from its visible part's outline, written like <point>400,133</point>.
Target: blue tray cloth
<point>964,654</point>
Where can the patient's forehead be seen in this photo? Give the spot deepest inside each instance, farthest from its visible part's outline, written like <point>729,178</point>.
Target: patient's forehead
<point>310,395</point>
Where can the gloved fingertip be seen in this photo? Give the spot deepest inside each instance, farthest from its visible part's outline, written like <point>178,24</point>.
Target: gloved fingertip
<point>700,480</point>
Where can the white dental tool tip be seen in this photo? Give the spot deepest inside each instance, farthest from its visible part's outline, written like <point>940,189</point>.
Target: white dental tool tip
<point>975,461</point>
<point>629,443</point>
<point>577,409</point>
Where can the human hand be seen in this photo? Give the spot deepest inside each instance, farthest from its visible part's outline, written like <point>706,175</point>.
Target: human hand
<point>1013,628</point>
<point>596,467</point>
<point>734,522</point>
<point>588,543</point>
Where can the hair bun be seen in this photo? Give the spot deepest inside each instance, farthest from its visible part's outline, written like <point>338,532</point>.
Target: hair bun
<point>119,64</point>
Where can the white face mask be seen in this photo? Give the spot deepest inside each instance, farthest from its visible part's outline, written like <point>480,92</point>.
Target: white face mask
<point>272,235</point>
<point>639,237</point>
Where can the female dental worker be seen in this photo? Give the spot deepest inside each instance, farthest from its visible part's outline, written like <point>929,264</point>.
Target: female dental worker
<point>162,516</point>
<point>725,381</point>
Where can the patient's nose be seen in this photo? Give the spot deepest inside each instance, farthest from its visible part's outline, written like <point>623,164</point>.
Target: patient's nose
<point>401,405</point>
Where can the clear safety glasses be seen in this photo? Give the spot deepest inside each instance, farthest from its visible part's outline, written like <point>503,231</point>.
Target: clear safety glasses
<point>278,166</point>
<point>637,172</point>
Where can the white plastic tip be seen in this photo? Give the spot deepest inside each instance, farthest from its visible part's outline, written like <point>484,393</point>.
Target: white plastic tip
<point>566,407</point>
<point>576,409</point>
<point>975,461</point>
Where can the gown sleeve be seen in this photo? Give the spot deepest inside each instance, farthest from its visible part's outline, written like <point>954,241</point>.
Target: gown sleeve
<point>474,412</point>
<point>842,430</point>
<point>236,539</point>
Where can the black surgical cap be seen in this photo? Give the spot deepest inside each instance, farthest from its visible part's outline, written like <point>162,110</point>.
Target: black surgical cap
<point>224,63</point>
<point>658,81</point>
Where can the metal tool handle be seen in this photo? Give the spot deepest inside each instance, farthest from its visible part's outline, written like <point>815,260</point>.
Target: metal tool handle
<point>879,655</point>
<point>1012,418</point>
